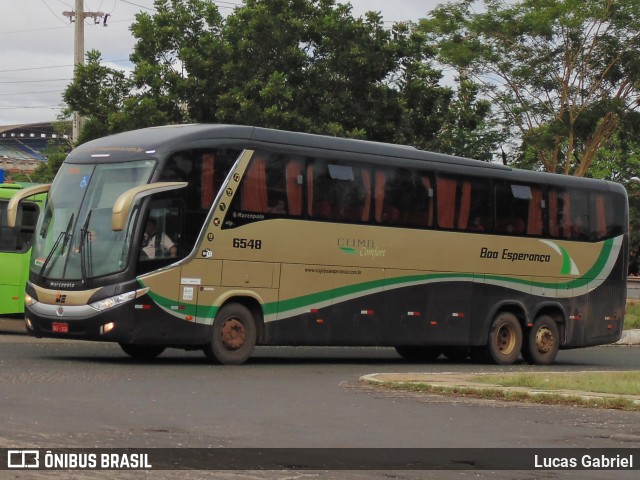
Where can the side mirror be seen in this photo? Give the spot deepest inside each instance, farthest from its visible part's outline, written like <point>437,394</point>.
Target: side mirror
<point>124,202</point>
<point>12,207</point>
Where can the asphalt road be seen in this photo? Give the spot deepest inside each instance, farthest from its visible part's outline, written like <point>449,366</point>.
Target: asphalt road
<point>58,394</point>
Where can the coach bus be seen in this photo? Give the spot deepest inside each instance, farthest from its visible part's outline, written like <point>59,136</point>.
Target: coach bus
<point>15,248</point>
<point>220,238</point>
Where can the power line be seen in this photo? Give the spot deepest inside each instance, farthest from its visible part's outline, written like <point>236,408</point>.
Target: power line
<point>38,81</point>
<point>56,66</point>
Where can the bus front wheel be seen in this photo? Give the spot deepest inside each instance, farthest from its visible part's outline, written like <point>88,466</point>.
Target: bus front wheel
<point>142,352</point>
<point>234,335</point>
<point>542,343</point>
<point>505,339</point>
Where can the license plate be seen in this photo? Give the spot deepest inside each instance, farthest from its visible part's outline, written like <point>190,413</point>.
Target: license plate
<point>60,327</point>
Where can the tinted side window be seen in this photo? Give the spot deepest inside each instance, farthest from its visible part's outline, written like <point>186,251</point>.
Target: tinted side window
<point>519,209</point>
<point>19,238</point>
<point>272,185</point>
<point>607,212</point>
<point>463,203</point>
<point>404,197</point>
<point>338,192</point>
<point>569,216</point>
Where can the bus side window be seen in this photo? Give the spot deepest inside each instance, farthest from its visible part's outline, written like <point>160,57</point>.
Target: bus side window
<point>338,192</point>
<point>569,216</point>
<point>605,210</point>
<point>272,185</point>
<point>403,197</point>
<point>519,209</point>
<point>463,203</point>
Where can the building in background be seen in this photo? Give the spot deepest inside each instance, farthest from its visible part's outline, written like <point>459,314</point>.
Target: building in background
<point>23,147</point>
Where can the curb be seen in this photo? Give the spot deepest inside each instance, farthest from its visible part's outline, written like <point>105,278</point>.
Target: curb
<point>629,337</point>
<point>456,383</point>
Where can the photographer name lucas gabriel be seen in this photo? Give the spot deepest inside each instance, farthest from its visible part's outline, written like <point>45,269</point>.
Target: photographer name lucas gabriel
<point>585,461</point>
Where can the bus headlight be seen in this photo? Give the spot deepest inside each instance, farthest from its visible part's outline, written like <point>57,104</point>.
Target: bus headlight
<point>111,302</point>
<point>29,300</point>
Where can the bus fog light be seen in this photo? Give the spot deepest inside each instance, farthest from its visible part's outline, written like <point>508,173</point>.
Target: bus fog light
<point>28,323</point>
<point>107,327</point>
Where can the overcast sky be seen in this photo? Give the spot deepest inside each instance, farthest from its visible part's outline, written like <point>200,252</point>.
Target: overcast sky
<point>36,46</point>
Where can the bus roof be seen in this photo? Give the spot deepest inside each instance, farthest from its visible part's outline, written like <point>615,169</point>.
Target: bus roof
<point>165,140</point>
<point>7,190</point>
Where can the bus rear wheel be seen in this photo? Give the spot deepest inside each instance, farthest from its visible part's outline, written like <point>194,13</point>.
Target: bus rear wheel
<point>418,353</point>
<point>234,336</point>
<point>505,339</point>
<point>542,343</point>
<point>142,352</point>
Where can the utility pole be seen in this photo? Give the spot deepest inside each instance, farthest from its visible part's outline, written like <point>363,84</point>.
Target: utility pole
<point>78,16</point>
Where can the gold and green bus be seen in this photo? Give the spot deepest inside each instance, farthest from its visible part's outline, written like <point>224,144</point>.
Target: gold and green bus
<point>221,238</point>
<point>15,247</point>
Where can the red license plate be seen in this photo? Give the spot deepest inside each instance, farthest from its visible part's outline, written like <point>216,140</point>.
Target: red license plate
<point>60,327</point>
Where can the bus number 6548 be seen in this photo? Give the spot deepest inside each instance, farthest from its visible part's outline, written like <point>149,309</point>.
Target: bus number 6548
<point>247,243</point>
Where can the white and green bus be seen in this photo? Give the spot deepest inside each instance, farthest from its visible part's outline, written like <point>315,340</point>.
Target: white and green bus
<point>220,238</point>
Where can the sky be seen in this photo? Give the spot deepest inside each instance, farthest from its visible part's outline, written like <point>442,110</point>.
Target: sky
<point>36,46</point>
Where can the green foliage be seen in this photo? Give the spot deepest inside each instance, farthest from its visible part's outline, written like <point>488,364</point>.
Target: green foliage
<point>563,73</point>
<point>301,65</point>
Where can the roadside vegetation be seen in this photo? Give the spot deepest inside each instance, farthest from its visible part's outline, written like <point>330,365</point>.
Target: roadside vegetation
<point>543,388</point>
<point>632,315</point>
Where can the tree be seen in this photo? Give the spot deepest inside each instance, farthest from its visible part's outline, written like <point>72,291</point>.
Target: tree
<point>564,73</point>
<point>301,65</point>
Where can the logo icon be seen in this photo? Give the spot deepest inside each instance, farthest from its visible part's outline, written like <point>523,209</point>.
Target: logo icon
<point>23,459</point>
<point>207,253</point>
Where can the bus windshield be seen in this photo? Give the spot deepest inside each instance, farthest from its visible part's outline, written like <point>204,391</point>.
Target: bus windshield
<point>74,239</point>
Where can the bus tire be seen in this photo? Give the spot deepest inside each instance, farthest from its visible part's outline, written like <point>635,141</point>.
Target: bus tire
<point>505,339</point>
<point>542,342</point>
<point>233,337</point>
<point>142,352</point>
<point>418,353</point>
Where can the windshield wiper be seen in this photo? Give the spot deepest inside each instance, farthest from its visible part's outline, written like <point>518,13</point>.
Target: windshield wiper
<point>64,236</point>
<point>85,246</point>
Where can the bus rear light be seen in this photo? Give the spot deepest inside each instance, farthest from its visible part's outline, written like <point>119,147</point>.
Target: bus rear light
<point>457,315</point>
<point>433,323</point>
<point>413,314</point>
<point>575,317</point>
<point>366,312</point>
<point>143,306</point>
<point>320,321</point>
<point>189,318</point>
<point>314,310</point>
<point>107,327</point>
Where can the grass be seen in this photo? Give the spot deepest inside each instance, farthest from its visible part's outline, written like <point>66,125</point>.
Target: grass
<point>617,383</point>
<point>632,315</point>
<point>492,393</point>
